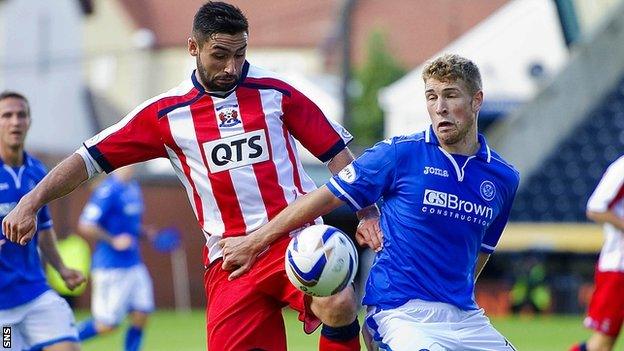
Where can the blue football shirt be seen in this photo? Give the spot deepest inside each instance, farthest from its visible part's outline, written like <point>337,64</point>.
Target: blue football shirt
<point>21,275</point>
<point>118,208</point>
<point>437,212</point>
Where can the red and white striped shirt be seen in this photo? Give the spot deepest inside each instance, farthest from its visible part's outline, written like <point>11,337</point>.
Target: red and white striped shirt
<point>609,196</point>
<point>235,154</point>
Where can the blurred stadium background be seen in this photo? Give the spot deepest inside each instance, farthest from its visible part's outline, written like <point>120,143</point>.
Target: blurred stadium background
<point>553,75</point>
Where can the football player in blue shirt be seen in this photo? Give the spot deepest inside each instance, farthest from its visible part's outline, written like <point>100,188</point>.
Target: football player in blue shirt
<point>121,283</point>
<point>27,304</point>
<point>445,198</point>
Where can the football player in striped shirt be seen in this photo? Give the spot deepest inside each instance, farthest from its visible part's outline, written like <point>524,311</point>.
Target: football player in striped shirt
<point>606,308</point>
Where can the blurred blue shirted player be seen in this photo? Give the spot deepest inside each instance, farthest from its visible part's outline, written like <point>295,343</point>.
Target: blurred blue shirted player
<point>121,283</point>
<point>27,304</point>
<point>446,197</point>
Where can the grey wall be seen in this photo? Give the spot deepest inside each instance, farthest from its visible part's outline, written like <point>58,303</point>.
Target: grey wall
<point>42,58</point>
<point>534,131</point>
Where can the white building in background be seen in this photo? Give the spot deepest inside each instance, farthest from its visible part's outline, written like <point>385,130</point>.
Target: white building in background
<point>42,57</point>
<point>514,47</point>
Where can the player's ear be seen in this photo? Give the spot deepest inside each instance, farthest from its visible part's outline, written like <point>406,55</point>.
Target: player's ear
<point>477,101</point>
<point>193,48</point>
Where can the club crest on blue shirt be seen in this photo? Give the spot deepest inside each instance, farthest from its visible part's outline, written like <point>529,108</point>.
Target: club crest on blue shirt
<point>228,115</point>
<point>488,190</point>
<point>347,174</point>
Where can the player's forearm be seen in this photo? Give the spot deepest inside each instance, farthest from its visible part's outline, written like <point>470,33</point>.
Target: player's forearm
<point>47,245</point>
<point>304,210</point>
<point>62,180</point>
<point>94,232</point>
<point>340,161</point>
<point>606,217</point>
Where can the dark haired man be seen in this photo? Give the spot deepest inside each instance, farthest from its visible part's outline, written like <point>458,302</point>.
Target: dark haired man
<point>229,133</point>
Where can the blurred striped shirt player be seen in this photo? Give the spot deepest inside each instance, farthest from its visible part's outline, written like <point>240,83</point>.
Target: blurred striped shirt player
<point>606,206</point>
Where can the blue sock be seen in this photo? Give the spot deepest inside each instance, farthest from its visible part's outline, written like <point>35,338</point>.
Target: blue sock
<point>86,330</point>
<point>134,336</point>
<point>346,332</point>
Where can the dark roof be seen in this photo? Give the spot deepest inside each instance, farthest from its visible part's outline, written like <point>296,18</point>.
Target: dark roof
<point>415,29</point>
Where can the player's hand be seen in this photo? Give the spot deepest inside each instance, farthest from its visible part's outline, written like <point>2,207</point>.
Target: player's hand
<point>150,231</point>
<point>239,254</point>
<point>122,242</point>
<point>20,225</point>
<point>72,278</point>
<point>369,234</point>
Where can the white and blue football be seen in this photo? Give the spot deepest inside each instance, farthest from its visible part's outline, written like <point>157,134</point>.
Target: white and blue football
<point>321,260</point>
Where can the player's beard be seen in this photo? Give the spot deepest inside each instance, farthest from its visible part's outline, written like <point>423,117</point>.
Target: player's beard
<point>208,82</point>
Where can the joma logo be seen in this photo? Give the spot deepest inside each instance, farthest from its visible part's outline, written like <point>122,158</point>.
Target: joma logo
<point>436,171</point>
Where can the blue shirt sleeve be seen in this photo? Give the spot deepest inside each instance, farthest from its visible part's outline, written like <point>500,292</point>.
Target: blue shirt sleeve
<point>366,179</point>
<point>99,204</point>
<point>495,230</point>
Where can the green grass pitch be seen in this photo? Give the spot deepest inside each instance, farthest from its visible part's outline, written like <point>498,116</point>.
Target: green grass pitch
<point>185,332</point>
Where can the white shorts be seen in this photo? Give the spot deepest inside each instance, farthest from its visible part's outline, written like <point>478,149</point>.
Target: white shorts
<point>434,326</point>
<point>44,321</point>
<point>118,291</point>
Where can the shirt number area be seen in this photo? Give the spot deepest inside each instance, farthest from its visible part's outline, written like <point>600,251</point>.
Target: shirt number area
<point>236,151</point>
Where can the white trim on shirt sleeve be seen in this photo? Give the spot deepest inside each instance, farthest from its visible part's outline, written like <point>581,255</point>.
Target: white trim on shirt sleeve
<point>92,166</point>
<point>345,194</point>
<point>488,247</point>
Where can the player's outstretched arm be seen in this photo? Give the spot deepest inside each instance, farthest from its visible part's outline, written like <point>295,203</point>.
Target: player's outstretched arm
<point>606,217</point>
<point>239,253</point>
<point>20,224</point>
<point>47,244</point>
<point>368,232</point>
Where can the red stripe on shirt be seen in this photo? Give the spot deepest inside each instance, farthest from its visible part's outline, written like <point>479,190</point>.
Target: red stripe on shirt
<point>136,137</point>
<point>169,141</point>
<point>304,118</point>
<point>293,160</point>
<point>206,129</point>
<point>253,118</point>
<point>617,197</point>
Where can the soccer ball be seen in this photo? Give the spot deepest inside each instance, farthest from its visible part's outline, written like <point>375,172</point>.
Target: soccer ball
<point>321,260</point>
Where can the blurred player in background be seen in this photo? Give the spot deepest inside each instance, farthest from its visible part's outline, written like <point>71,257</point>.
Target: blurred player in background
<point>121,283</point>
<point>606,308</point>
<point>229,132</point>
<point>446,200</point>
<point>36,314</point>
